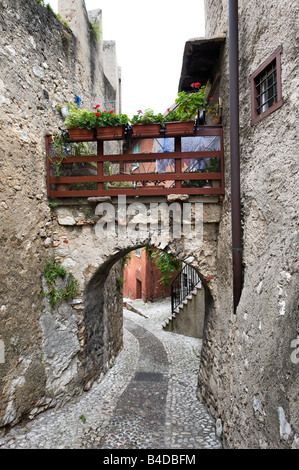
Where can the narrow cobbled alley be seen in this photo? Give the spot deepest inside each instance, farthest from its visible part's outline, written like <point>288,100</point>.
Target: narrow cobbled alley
<point>147,400</point>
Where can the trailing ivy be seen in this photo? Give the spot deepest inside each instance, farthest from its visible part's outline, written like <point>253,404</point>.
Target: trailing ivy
<point>125,259</point>
<point>52,271</point>
<point>166,264</point>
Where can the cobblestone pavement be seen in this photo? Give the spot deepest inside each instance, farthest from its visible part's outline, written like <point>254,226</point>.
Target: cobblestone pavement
<point>147,400</point>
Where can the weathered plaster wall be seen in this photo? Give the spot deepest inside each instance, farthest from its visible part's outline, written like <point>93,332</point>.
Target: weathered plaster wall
<point>248,377</point>
<point>41,67</point>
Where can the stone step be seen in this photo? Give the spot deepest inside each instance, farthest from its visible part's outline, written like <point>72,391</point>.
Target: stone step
<point>181,305</point>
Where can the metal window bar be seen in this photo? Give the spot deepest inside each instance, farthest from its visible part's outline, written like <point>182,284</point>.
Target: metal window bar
<point>182,285</point>
<point>272,85</point>
<point>266,87</point>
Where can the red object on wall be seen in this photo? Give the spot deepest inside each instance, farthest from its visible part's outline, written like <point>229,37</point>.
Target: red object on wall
<point>141,279</point>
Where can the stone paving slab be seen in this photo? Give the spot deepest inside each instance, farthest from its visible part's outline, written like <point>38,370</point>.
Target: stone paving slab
<point>120,411</point>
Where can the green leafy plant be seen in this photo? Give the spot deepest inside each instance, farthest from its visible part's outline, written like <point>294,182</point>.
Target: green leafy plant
<point>63,149</point>
<point>48,6</point>
<point>96,31</point>
<point>188,104</point>
<point>44,4</point>
<point>148,117</point>
<point>52,271</point>
<point>83,119</point>
<point>213,108</point>
<point>125,259</point>
<point>213,166</point>
<point>166,264</point>
<point>62,21</point>
<point>119,282</point>
<point>52,204</point>
<point>68,105</point>
<point>60,151</point>
<point>186,107</point>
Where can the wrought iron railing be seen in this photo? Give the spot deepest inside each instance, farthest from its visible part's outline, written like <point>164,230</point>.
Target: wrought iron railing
<point>183,285</point>
<point>192,165</point>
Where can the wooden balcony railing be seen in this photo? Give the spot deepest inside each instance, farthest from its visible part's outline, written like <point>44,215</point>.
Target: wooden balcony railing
<point>188,165</point>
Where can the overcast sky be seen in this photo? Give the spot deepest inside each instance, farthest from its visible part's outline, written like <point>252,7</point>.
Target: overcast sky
<point>150,38</point>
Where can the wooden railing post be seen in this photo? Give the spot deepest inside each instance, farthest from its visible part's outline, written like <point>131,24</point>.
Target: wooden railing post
<point>100,164</point>
<point>178,161</point>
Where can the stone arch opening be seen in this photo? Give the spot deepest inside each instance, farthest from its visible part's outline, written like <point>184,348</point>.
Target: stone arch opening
<point>103,312</point>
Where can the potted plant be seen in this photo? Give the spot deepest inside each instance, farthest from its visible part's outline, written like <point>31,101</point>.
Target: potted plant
<point>90,125</point>
<point>181,119</point>
<point>109,125</point>
<point>214,109</point>
<point>78,124</point>
<point>177,121</point>
<point>147,124</point>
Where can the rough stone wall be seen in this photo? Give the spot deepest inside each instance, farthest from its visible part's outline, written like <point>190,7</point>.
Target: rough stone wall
<point>249,372</point>
<point>41,67</point>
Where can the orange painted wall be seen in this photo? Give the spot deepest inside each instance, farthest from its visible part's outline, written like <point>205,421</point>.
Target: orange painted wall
<point>138,270</point>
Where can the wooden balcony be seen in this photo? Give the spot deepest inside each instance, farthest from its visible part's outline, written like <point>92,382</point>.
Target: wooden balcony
<point>143,167</point>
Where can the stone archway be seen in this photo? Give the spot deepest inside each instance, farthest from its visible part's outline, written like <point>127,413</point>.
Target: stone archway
<point>102,316</point>
<point>96,327</point>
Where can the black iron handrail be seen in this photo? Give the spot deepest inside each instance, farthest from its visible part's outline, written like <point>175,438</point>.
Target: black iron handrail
<point>182,285</point>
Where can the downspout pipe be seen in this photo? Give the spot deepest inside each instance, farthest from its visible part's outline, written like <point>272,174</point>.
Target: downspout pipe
<point>235,152</point>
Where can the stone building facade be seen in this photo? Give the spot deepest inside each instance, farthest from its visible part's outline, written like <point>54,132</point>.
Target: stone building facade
<point>43,64</point>
<point>249,369</point>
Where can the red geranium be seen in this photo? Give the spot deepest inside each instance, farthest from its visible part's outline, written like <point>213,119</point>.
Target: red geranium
<point>97,106</point>
<point>97,114</point>
<point>195,85</point>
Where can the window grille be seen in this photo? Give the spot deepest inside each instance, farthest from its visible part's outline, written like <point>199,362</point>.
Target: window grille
<point>266,93</point>
<point>266,87</point>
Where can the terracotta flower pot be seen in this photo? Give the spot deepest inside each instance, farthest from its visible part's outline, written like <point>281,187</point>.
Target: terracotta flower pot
<point>110,133</point>
<point>185,128</point>
<point>145,130</point>
<point>81,134</point>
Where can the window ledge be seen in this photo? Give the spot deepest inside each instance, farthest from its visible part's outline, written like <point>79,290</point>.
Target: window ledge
<point>270,110</point>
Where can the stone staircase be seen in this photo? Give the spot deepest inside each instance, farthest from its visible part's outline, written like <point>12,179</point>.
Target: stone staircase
<point>187,317</point>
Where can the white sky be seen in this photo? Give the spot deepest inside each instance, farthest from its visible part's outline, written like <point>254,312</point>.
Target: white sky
<point>150,38</point>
